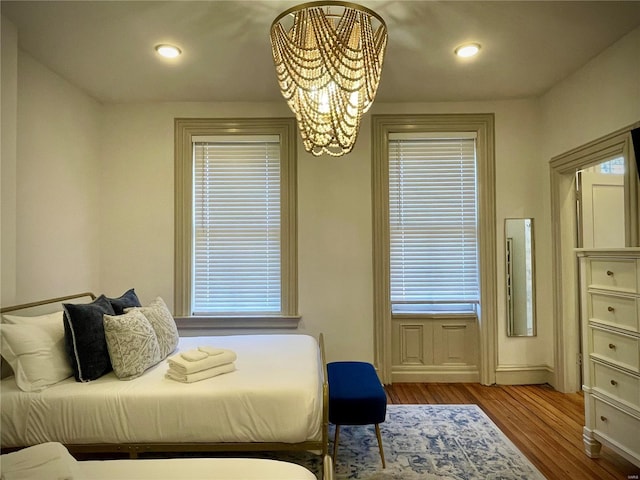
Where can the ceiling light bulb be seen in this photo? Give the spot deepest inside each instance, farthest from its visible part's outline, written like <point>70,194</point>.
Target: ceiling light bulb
<point>168,51</point>
<point>468,50</point>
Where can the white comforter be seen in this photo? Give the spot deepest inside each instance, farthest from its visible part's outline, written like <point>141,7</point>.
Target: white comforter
<point>274,395</point>
<point>53,461</point>
<point>193,469</point>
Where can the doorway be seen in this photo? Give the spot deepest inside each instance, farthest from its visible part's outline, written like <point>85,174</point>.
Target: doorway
<point>600,213</point>
<point>566,232</point>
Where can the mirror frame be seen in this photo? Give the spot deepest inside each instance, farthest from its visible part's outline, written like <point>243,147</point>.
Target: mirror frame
<point>508,319</point>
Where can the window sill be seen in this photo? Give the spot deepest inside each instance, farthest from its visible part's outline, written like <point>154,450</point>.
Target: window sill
<point>432,316</point>
<point>212,323</point>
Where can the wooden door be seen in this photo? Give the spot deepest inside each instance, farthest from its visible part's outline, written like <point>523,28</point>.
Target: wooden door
<point>602,210</point>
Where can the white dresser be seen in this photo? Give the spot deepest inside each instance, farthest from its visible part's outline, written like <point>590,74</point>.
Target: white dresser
<point>610,319</point>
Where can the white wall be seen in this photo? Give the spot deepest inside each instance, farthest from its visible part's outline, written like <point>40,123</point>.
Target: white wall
<point>598,99</point>
<point>335,279</point>
<point>56,177</point>
<point>334,209</point>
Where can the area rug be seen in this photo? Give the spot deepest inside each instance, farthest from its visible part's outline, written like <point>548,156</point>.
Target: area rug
<point>426,442</point>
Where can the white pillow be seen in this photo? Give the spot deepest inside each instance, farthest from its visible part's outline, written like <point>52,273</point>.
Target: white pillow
<point>34,347</point>
<point>132,343</point>
<point>55,318</point>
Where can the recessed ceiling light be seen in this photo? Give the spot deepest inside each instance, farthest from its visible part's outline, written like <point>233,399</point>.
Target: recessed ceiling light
<point>467,50</point>
<point>168,51</point>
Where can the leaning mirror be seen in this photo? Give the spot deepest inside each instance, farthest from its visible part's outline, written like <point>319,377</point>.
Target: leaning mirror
<point>520,287</point>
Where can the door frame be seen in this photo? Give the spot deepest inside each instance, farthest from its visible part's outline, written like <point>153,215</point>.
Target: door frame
<point>564,232</point>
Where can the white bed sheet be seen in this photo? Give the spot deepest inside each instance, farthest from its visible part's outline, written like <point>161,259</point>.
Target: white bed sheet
<point>274,395</point>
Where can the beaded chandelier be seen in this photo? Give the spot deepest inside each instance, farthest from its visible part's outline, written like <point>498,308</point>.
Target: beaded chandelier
<point>328,57</point>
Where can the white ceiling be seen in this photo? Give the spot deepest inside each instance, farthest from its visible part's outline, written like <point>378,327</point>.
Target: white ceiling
<point>106,47</point>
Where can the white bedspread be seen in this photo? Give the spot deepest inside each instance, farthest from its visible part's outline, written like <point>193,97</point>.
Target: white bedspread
<point>274,395</point>
<point>194,469</point>
<point>45,461</point>
<point>52,461</point>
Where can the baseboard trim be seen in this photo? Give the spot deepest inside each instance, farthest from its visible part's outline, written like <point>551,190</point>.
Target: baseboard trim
<point>505,374</point>
<point>524,374</point>
<point>435,375</point>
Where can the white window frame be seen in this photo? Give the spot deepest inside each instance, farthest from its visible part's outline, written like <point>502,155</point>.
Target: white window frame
<point>483,126</point>
<point>186,129</point>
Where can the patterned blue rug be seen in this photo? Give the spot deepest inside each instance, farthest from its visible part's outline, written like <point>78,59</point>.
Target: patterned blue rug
<point>421,442</point>
<point>458,442</point>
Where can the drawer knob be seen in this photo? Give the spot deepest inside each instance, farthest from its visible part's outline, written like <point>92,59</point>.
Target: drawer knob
<point>611,309</point>
<point>609,273</point>
<point>612,346</point>
<point>614,383</point>
<point>603,418</point>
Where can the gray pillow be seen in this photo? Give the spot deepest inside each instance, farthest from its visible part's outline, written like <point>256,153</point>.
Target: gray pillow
<point>126,300</point>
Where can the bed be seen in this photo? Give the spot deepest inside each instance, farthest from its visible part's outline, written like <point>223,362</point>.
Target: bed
<point>53,460</point>
<point>276,399</point>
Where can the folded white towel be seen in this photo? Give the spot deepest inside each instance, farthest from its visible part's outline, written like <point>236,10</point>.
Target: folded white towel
<point>185,367</point>
<point>194,355</point>
<point>210,350</point>
<point>47,460</point>
<point>202,375</point>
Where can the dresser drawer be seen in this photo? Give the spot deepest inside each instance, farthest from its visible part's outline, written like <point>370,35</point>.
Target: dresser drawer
<point>616,348</point>
<point>614,274</point>
<point>615,310</point>
<point>616,384</point>
<point>617,425</point>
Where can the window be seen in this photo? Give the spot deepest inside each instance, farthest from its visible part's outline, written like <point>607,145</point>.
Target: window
<point>613,167</point>
<point>236,221</point>
<point>433,223</point>
<point>236,225</point>
<point>384,129</point>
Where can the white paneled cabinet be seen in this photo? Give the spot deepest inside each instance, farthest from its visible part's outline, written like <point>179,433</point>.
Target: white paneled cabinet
<point>610,319</point>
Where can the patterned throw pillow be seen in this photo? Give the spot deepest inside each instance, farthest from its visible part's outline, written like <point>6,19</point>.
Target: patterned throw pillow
<point>132,343</point>
<point>163,323</point>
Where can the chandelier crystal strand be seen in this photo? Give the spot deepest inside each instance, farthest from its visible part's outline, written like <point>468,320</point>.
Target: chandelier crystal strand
<point>328,67</point>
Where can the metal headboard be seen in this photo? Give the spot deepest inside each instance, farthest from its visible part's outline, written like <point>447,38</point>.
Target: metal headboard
<point>40,303</point>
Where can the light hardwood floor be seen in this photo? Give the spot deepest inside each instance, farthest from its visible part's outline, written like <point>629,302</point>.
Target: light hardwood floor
<point>544,424</point>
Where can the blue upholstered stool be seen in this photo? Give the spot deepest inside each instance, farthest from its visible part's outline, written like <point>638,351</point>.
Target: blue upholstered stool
<point>356,397</point>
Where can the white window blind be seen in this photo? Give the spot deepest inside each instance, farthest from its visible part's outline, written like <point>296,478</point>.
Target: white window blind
<point>236,223</point>
<point>433,224</point>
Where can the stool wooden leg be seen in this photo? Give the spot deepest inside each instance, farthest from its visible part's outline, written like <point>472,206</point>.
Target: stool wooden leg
<point>335,442</point>
<point>380,445</point>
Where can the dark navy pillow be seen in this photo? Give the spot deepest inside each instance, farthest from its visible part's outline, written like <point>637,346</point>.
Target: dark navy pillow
<point>85,340</point>
<point>127,300</point>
